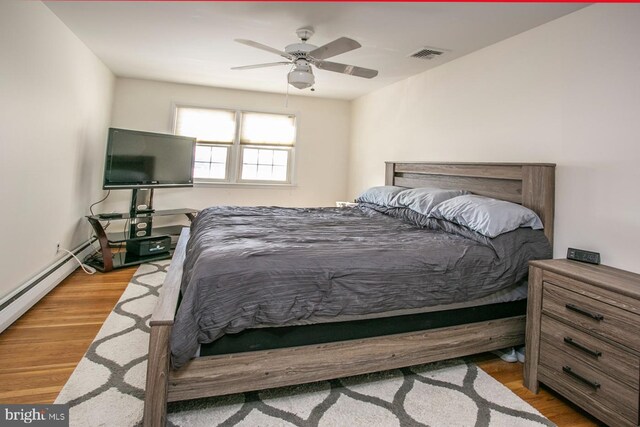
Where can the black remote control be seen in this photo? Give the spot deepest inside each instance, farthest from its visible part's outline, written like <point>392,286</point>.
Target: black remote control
<point>111,215</point>
<point>583,256</point>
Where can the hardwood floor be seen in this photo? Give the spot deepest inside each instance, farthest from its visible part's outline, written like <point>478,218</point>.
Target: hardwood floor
<point>39,352</point>
<point>550,404</point>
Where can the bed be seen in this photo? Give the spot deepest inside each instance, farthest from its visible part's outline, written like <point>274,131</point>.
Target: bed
<point>220,372</point>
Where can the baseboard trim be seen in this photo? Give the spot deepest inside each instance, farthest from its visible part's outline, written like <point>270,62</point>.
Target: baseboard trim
<point>34,289</point>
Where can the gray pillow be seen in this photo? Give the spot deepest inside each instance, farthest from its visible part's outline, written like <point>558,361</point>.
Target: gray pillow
<point>423,200</point>
<point>489,217</point>
<point>379,195</point>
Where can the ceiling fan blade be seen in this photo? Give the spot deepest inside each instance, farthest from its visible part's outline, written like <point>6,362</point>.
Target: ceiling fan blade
<point>265,47</point>
<point>249,67</point>
<point>336,47</point>
<point>352,70</point>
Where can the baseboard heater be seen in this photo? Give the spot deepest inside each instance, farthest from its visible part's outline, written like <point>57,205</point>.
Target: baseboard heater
<point>27,295</point>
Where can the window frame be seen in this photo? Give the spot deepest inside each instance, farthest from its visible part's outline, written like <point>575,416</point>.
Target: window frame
<point>240,159</point>
<point>227,170</point>
<point>235,150</point>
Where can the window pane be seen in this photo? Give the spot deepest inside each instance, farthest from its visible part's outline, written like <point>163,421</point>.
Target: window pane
<point>203,153</point>
<point>264,172</point>
<point>218,171</point>
<point>250,156</point>
<point>279,173</point>
<point>201,170</point>
<point>249,171</point>
<point>265,157</point>
<point>219,154</point>
<point>280,157</point>
<point>206,124</point>
<point>211,162</point>
<point>277,129</point>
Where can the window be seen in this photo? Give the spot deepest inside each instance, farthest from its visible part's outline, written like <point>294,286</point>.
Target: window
<point>264,164</point>
<point>239,146</point>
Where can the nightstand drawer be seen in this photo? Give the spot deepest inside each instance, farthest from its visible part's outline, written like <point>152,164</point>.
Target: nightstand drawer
<point>586,349</point>
<point>582,337</point>
<point>587,386</point>
<point>595,316</point>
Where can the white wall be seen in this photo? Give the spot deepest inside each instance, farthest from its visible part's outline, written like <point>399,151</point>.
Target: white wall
<point>321,148</point>
<point>567,92</point>
<point>54,110</point>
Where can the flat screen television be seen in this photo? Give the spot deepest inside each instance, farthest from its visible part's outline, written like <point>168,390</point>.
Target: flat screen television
<point>138,159</point>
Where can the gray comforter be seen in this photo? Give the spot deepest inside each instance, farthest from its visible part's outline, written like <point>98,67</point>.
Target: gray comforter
<point>247,266</point>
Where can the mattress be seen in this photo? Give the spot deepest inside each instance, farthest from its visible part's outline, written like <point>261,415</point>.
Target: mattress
<point>515,292</point>
<point>254,266</point>
<point>291,336</point>
<point>505,303</point>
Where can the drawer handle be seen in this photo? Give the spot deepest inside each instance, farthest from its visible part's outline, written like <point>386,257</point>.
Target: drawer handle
<point>580,378</point>
<point>594,353</point>
<point>584,312</point>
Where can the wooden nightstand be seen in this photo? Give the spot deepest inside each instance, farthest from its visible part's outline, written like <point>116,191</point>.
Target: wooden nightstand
<point>583,340</point>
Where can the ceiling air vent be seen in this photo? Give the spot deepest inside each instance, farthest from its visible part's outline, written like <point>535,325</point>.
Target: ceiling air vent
<point>427,53</point>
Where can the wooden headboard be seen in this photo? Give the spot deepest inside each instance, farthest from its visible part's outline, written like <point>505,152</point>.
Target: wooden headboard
<point>530,184</point>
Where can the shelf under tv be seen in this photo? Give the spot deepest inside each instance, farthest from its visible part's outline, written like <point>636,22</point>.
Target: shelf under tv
<point>110,259</point>
<point>124,259</point>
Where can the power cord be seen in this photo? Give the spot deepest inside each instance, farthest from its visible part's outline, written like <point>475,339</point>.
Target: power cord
<point>86,268</point>
<point>98,202</point>
<point>124,235</point>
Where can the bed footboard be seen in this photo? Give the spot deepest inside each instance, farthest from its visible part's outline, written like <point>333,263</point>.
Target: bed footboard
<point>161,323</point>
<point>257,370</point>
<point>155,398</point>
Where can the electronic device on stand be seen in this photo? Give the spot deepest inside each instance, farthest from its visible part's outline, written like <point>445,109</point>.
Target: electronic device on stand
<point>142,162</point>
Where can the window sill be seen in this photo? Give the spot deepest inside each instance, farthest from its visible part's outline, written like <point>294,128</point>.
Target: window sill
<point>266,185</point>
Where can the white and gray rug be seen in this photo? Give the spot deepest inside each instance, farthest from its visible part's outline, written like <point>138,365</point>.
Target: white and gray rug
<point>107,387</point>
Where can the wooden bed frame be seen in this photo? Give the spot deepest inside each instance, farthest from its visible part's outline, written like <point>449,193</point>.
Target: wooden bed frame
<point>530,184</point>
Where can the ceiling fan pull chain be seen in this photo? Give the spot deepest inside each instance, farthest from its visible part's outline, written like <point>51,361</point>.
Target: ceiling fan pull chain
<point>286,98</point>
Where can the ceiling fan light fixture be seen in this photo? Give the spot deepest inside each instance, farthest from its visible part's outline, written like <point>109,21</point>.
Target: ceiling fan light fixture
<point>300,79</point>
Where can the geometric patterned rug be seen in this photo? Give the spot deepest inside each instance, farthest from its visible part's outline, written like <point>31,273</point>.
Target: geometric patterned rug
<point>107,387</point>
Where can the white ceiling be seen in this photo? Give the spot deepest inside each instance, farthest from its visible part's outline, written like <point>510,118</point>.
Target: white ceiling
<point>192,42</point>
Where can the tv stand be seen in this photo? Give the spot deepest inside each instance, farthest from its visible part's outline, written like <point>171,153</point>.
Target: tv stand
<point>141,205</point>
<point>141,200</point>
<point>110,260</point>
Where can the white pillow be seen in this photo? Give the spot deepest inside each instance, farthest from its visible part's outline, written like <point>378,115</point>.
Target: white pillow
<point>381,195</point>
<point>489,217</point>
<point>423,200</point>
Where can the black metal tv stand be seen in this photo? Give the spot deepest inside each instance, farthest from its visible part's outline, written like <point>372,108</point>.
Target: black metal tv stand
<point>140,218</point>
<point>109,260</point>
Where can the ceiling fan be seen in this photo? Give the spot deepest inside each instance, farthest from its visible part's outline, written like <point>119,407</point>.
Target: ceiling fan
<point>303,55</point>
